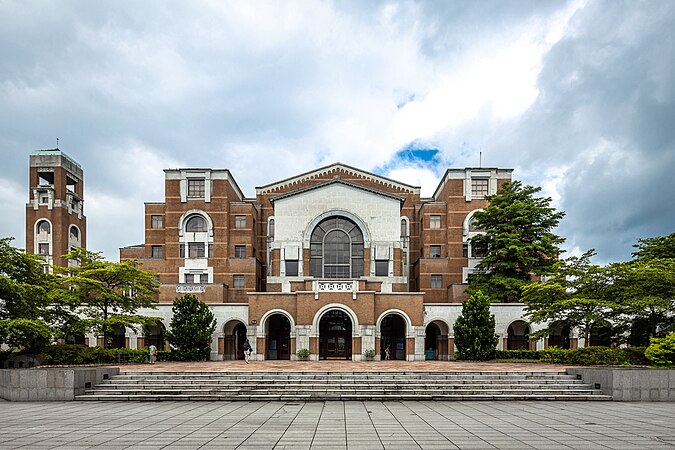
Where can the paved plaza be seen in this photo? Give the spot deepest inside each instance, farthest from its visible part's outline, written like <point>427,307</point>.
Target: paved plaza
<point>338,425</point>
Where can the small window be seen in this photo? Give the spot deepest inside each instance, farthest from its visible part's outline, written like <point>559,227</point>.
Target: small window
<point>43,249</point>
<point>181,251</point>
<point>473,225</point>
<point>478,249</point>
<point>292,268</point>
<point>156,221</point>
<point>479,187</point>
<point>195,224</point>
<point>435,222</point>
<point>238,281</point>
<point>405,258</point>
<point>240,251</point>
<point>157,251</point>
<point>44,227</point>
<point>404,228</point>
<point>204,278</point>
<point>210,250</point>
<point>435,251</point>
<point>44,199</point>
<point>381,268</point>
<point>240,221</point>
<point>436,281</point>
<point>189,278</point>
<point>465,250</point>
<point>74,232</point>
<point>196,187</point>
<point>270,229</point>
<point>196,250</point>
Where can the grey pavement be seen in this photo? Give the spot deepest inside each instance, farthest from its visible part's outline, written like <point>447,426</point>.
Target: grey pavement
<point>339,425</point>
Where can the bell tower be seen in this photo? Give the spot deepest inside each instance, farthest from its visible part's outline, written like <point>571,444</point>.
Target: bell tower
<point>55,220</point>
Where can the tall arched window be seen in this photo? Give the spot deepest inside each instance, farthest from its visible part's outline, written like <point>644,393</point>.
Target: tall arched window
<point>336,248</point>
<point>44,227</point>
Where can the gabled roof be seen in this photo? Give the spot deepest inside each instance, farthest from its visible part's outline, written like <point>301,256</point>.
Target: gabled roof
<point>337,180</point>
<point>335,167</point>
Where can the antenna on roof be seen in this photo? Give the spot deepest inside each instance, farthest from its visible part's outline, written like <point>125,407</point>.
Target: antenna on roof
<point>57,143</point>
<point>480,159</point>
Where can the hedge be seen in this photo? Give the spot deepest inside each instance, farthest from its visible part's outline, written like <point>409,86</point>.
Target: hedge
<point>74,354</point>
<point>518,354</point>
<point>596,356</point>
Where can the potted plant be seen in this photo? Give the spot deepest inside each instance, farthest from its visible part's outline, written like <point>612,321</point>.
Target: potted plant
<point>303,354</point>
<point>369,354</point>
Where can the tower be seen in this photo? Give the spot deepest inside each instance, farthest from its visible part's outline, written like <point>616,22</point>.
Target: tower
<point>55,220</point>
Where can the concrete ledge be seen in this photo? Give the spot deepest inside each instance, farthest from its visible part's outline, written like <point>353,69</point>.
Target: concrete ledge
<point>630,384</point>
<point>51,384</point>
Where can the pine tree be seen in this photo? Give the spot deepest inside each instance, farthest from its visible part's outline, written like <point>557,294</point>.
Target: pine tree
<point>475,336</point>
<point>192,326</point>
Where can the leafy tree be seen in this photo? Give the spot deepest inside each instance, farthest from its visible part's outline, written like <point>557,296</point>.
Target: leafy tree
<point>661,351</point>
<point>475,336</point>
<point>656,247</point>
<point>576,293</point>
<point>25,317</point>
<point>107,294</point>
<point>192,326</point>
<point>518,241</point>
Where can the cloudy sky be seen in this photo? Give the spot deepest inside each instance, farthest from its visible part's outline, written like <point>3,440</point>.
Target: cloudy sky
<point>577,96</point>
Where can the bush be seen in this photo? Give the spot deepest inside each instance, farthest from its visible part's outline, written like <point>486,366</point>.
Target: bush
<point>370,353</point>
<point>303,353</point>
<point>518,354</point>
<point>75,354</point>
<point>595,356</point>
<point>661,351</point>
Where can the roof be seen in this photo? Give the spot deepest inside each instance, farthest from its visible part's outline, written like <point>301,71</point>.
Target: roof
<point>337,180</point>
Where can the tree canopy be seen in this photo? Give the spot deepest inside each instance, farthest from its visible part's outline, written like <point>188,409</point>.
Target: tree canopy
<point>655,247</point>
<point>107,294</point>
<point>192,326</point>
<point>518,240</point>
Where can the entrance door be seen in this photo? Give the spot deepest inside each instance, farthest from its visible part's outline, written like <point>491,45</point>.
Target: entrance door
<point>279,337</point>
<point>335,335</point>
<point>392,332</point>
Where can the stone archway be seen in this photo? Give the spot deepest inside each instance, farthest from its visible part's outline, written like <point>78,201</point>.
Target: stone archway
<point>335,335</point>
<point>436,341</point>
<point>559,335</point>
<point>234,336</point>
<point>393,332</point>
<point>155,335</point>
<point>278,337</point>
<point>518,335</point>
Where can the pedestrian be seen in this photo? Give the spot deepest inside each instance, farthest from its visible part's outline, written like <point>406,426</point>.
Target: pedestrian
<point>153,353</point>
<point>387,352</point>
<point>247,351</point>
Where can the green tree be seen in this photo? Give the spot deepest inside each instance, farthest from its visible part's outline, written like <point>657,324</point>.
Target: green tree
<point>577,293</point>
<point>661,351</point>
<point>517,239</point>
<point>192,326</point>
<point>25,317</point>
<point>107,294</point>
<point>656,247</point>
<point>474,329</point>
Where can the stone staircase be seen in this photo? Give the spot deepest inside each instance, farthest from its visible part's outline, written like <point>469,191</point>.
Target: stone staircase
<point>321,386</point>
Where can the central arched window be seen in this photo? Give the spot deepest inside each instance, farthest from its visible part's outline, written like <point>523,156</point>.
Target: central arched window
<point>195,224</point>
<point>336,249</point>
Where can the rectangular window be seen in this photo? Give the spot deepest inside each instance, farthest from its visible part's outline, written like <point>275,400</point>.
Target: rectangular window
<point>156,221</point>
<point>465,250</point>
<point>204,278</point>
<point>240,221</point>
<point>189,278</point>
<point>435,222</point>
<point>381,268</point>
<point>435,251</point>
<point>292,268</point>
<point>196,250</point>
<point>43,249</point>
<point>238,281</point>
<point>240,251</point>
<point>479,187</point>
<point>44,199</point>
<point>196,187</point>
<point>210,250</point>
<point>436,281</point>
<point>181,251</point>
<point>157,251</point>
<point>478,249</point>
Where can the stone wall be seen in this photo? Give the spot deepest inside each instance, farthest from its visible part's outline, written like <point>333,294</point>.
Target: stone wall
<point>630,384</point>
<point>50,384</point>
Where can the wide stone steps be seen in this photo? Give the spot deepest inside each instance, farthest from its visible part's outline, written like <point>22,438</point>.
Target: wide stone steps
<point>319,386</point>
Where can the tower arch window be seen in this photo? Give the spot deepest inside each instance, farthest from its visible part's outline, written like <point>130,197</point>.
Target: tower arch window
<point>74,232</point>
<point>336,248</point>
<point>44,227</point>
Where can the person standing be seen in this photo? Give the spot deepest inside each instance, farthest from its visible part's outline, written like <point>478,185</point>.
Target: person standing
<point>153,353</point>
<point>387,353</point>
<point>247,351</point>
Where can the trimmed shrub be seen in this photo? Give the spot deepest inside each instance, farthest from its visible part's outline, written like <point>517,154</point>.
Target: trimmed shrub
<point>518,354</point>
<point>661,351</point>
<point>595,356</point>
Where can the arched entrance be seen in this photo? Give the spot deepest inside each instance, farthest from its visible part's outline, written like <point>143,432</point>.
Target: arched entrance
<point>559,335</point>
<point>278,337</point>
<point>436,341</point>
<point>234,336</point>
<point>392,336</point>
<point>601,335</point>
<point>518,335</point>
<point>335,335</point>
<point>117,337</point>
<point>155,335</point>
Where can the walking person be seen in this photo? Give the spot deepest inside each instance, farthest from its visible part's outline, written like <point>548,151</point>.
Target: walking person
<point>387,353</point>
<point>153,353</point>
<point>247,351</point>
